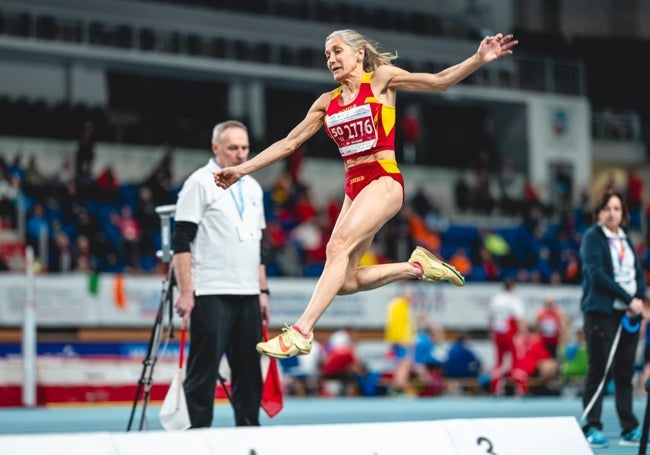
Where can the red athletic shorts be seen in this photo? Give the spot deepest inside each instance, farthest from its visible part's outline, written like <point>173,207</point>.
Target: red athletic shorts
<point>359,176</point>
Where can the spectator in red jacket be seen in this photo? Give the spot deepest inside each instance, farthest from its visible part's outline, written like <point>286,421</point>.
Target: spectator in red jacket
<point>532,360</point>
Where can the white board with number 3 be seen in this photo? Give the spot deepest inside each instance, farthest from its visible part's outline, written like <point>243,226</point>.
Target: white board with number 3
<point>530,436</point>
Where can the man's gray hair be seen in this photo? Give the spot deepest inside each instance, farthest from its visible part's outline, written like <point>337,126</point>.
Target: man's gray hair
<point>223,126</point>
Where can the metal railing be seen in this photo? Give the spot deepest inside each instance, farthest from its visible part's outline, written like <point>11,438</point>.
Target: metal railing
<point>256,40</point>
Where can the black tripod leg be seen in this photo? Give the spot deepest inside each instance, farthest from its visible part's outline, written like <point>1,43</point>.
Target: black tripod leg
<point>150,363</point>
<point>222,381</point>
<point>145,382</point>
<point>147,367</point>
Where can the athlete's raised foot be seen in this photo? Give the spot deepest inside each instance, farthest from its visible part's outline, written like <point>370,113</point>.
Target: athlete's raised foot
<point>434,269</point>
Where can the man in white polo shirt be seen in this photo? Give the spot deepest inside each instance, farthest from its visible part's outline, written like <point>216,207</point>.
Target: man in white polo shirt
<point>222,280</point>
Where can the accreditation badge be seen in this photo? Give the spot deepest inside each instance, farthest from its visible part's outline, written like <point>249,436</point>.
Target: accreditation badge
<point>247,234</point>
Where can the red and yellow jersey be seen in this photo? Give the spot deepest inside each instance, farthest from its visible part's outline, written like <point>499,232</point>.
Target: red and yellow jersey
<point>363,127</point>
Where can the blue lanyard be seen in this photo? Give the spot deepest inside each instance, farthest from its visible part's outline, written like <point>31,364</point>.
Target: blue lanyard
<point>239,200</point>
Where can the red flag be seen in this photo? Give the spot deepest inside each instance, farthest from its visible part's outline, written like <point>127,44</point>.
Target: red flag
<point>272,388</point>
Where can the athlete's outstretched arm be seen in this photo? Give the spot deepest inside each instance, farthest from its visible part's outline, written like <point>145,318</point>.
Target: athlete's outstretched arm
<point>312,122</point>
<point>491,48</point>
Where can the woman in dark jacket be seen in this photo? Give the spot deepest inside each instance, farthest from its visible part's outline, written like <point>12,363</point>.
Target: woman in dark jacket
<point>613,287</point>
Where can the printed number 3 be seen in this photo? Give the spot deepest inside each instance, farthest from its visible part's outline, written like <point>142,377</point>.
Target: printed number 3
<point>480,440</point>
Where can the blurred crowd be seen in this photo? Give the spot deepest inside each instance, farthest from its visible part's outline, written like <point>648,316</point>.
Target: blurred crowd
<point>78,220</point>
<point>538,242</point>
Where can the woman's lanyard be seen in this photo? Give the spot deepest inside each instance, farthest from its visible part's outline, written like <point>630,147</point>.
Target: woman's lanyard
<point>620,254</point>
<point>239,199</point>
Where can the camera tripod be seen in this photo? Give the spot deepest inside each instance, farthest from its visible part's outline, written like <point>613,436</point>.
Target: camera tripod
<point>164,318</point>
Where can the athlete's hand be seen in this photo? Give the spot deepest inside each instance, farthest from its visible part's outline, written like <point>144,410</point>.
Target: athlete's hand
<point>226,177</point>
<point>497,46</point>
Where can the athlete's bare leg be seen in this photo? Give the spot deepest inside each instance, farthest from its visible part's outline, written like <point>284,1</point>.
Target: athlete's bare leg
<point>351,237</point>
